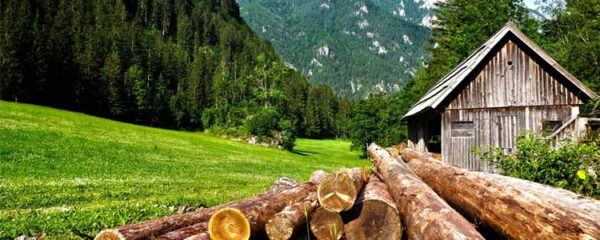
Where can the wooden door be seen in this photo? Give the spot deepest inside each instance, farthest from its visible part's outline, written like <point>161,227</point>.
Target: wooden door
<point>509,127</point>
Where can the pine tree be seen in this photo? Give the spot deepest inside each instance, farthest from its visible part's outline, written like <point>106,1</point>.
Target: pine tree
<point>462,26</point>
<point>111,72</point>
<point>14,28</point>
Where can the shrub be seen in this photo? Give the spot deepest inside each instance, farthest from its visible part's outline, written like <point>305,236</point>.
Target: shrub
<point>264,122</point>
<point>268,126</point>
<point>573,166</point>
<point>288,135</point>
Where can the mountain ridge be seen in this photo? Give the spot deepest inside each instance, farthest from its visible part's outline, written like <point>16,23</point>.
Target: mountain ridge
<point>355,47</point>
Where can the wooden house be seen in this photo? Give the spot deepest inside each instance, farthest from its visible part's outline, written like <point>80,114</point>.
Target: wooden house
<point>508,86</point>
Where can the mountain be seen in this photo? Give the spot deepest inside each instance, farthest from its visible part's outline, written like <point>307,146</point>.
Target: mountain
<point>175,64</point>
<point>355,46</point>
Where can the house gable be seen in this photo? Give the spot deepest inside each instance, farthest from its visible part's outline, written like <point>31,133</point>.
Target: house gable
<point>447,88</point>
<point>512,77</point>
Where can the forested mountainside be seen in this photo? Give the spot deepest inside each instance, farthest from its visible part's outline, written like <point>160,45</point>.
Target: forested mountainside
<point>355,46</point>
<point>178,64</point>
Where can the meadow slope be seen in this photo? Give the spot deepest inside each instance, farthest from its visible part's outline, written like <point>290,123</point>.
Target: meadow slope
<point>64,172</point>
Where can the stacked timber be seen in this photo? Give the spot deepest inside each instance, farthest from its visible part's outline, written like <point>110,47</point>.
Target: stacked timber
<point>424,213</point>
<point>408,194</point>
<point>515,208</point>
<point>376,213</point>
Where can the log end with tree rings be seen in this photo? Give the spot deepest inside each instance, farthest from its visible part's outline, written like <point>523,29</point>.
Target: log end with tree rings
<point>337,192</point>
<point>279,228</point>
<point>229,224</point>
<point>376,214</point>
<point>326,224</point>
<point>109,234</point>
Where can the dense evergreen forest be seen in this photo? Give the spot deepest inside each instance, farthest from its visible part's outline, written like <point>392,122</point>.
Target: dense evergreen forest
<point>571,36</point>
<point>195,64</point>
<point>357,47</point>
<point>189,64</point>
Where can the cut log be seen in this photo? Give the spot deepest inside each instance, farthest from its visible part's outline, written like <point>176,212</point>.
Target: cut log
<point>515,208</point>
<point>326,224</point>
<point>337,191</point>
<point>423,212</point>
<point>318,176</point>
<point>257,213</point>
<point>200,236</point>
<point>229,224</point>
<point>291,219</point>
<point>376,214</point>
<point>193,220</point>
<point>393,151</point>
<point>186,232</point>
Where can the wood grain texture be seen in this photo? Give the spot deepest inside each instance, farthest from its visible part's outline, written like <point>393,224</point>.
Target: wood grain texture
<point>337,192</point>
<point>423,212</point>
<point>292,219</point>
<point>513,78</point>
<point>326,225</point>
<point>375,215</point>
<point>182,225</point>
<point>515,208</point>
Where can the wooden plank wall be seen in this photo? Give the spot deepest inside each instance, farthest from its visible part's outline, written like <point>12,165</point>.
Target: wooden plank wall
<point>504,100</point>
<point>497,127</point>
<point>523,83</point>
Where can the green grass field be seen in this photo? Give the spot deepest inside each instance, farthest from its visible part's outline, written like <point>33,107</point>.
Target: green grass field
<point>62,171</point>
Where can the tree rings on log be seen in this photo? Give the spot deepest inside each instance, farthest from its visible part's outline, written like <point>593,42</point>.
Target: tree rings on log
<point>229,224</point>
<point>326,224</point>
<point>338,191</point>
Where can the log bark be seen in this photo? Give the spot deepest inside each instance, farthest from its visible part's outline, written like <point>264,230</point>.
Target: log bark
<point>376,215</point>
<point>183,222</point>
<point>327,225</point>
<point>337,192</point>
<point>200,236</point>
<point>260,211</point>
<point>515,208</point>
<point>291,219</point>
<point>424,213</point>
<point>318,176</point>
<point>186,232</point>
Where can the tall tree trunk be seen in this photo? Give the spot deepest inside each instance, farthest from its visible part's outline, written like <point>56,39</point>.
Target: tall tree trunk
<point>516,208</point>
<point>337,191</point>
<point>375,215</point>
<point>424,213</point>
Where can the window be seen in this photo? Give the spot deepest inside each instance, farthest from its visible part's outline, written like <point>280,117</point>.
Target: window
<point>551,126</point>
<point>462,129</point>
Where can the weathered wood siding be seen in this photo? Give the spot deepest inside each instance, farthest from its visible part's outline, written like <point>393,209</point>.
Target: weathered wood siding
<point>523,83</point>
<point>494,126</point>
<point>502,101</point>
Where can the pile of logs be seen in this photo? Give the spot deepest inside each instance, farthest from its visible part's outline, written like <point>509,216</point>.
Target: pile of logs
<point>407,194</point>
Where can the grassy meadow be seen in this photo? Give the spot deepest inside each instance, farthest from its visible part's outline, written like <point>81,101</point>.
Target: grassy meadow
<point>63,172</point>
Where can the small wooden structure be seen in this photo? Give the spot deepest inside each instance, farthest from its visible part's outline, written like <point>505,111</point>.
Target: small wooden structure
<point>508,86</point>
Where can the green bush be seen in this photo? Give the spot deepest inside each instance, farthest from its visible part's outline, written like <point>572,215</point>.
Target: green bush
<point>573,166</point>
<point>268,125</point>
<point>264,122</point>
<point>288,135</point>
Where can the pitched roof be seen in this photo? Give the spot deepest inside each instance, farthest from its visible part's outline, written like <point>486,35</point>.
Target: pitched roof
<point>445,86</point>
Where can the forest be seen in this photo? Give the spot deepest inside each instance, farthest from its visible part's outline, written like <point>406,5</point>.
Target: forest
<point>190,64</point>
<point>196,65</point>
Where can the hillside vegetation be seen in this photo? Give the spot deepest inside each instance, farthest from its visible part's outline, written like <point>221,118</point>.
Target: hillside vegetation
<point>176,64</point>
<point>357,47</point>
<point>62,171</point>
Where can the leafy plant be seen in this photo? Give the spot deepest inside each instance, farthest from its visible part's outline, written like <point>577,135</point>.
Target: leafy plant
<point>572,166</point>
